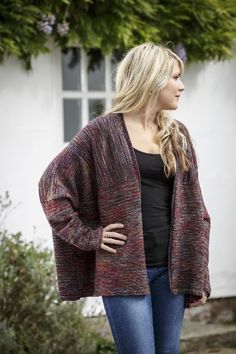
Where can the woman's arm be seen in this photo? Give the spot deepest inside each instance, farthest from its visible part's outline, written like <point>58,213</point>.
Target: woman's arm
<point>59,189</point>
<point>205,235</point>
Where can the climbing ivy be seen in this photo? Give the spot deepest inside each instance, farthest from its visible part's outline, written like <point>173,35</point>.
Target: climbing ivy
<point>203,29</point>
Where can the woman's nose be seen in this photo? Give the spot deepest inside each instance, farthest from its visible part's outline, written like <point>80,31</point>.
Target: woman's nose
<point>181,86</point>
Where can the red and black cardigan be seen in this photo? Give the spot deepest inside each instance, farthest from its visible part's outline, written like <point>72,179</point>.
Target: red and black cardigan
<point>95,181</point>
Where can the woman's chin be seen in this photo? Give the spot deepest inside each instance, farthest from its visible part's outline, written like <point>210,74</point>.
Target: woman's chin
<point>172,108</point>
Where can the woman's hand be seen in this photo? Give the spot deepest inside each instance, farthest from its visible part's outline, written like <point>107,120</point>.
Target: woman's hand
<point>200,301</point>
<point>112,237</point>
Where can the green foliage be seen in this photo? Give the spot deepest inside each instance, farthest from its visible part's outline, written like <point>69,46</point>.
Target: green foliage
<point>105,347</point>
<point>32,317</point>
<point>207,28</point>
<point>18,32</point>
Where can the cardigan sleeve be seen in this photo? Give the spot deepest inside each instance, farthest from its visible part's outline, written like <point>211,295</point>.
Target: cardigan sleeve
<point>206,217</point>
<point>66,181</point>
<point>193,158</point>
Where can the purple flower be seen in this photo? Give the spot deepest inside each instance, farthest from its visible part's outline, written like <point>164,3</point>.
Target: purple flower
<point>44,26</point>
<point>181,51</point>
<point>51,19</point>
<point>47,22</point>
<point>63,28</point>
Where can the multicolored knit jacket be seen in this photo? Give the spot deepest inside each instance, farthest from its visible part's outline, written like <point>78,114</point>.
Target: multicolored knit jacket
<point>95,181</point>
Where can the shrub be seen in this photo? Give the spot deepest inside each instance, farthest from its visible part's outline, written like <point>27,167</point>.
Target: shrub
<point>32,317</point>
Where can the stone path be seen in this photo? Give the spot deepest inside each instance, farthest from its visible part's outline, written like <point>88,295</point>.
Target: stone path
<point>197,337</point>
<point>216,351</point>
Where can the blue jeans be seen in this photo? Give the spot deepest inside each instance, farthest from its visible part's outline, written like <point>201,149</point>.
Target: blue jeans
<point>147,324</point>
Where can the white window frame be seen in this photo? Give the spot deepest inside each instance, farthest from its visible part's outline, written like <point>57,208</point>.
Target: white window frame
<point>107,95</point>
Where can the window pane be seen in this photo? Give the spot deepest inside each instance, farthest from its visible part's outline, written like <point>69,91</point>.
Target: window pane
<point>117,56</point>
<point>96,107</point>
<point>96,74</point>
<point>72,118</point>
<point>71,69</point>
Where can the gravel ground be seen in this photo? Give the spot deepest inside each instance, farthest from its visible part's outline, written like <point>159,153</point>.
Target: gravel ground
<point>191,330</point>
<point>217,351</point>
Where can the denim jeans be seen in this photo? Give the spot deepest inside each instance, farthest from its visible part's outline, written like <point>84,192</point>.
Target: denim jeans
<point>147,324</point>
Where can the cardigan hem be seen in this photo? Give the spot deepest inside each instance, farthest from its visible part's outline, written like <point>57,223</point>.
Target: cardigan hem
<point>189,292</point>
<point>78,296</point>
<point>187,302</point>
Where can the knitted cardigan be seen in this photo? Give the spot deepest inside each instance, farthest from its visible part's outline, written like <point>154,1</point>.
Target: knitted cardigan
<point>95,181</point>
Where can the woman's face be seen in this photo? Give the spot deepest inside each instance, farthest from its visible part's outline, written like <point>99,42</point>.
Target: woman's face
<point>169,96</point>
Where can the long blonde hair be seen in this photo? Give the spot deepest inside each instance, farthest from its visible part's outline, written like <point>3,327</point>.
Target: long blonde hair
<point>147,69</point>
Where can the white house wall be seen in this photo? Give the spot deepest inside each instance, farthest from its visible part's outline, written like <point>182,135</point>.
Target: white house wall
<point>208,109</point>
<point>31,134</point>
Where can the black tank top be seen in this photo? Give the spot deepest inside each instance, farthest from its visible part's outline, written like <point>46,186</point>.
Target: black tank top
<point>156,196</point>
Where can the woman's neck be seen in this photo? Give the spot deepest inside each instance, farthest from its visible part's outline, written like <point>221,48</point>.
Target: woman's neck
<point>145,120</point>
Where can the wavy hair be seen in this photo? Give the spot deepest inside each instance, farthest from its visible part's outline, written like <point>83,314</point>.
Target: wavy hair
<point>142,73</point>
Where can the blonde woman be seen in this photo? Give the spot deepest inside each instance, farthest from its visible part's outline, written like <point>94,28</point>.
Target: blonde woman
<point>125,206</point>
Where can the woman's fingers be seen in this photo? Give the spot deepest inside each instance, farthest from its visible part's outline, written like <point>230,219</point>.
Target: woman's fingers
<point>198,302</point>
<point>113,226</point>
<point>112,237</point>
<point>116,235</point>
<point>109,249</point>
<point>112,240</point>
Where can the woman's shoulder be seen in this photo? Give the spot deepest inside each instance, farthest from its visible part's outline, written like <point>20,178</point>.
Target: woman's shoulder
<point>190,141</point>
<point>93,131</point>
<point>182,127</point>
<point>99,123</point>
<point>185,131</point>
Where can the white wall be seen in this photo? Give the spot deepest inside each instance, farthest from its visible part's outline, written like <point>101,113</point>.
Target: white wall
<point>31,134</point>
<point>208,109</point>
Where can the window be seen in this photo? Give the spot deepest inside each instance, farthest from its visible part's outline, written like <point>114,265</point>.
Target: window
<point>87,89</point>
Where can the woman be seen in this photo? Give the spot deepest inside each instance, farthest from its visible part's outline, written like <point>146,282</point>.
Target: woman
<point>125,206</point>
